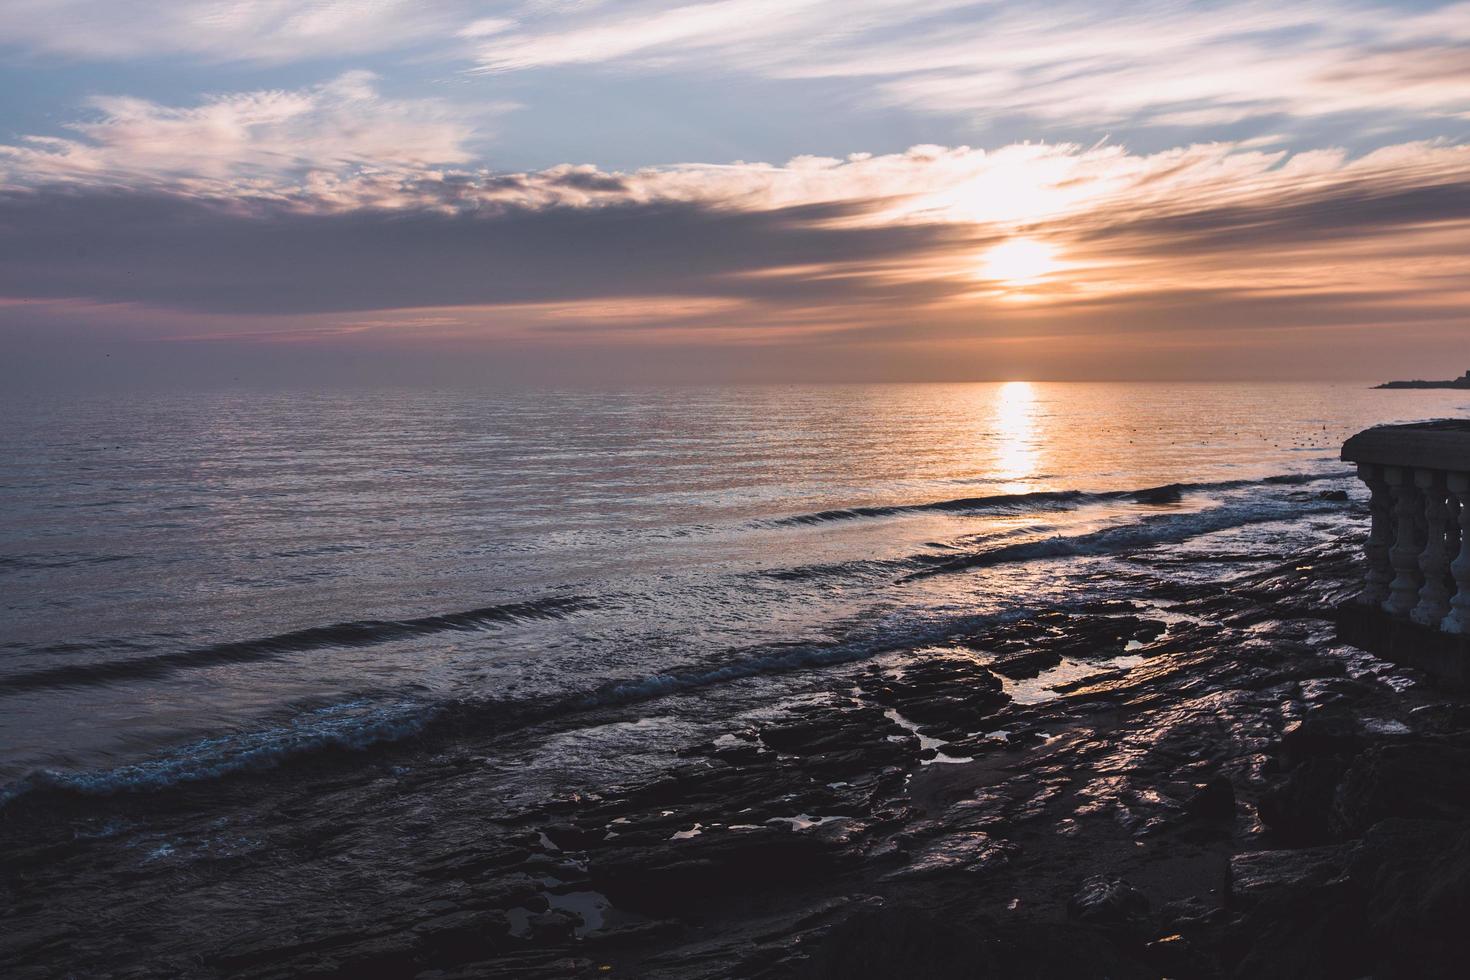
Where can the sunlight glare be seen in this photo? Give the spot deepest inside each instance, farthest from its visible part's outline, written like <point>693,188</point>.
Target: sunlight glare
<point>1019,261</point>
<point>1014,422</point>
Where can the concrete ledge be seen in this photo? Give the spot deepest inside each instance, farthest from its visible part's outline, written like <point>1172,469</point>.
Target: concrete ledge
<point>1443,656</point>
<point>1440,445</point>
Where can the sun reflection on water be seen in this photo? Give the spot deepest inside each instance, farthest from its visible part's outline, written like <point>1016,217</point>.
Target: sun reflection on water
<point>1013,422</point>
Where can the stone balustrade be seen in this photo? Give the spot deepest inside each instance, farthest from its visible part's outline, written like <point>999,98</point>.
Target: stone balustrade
<point>1418,550</point>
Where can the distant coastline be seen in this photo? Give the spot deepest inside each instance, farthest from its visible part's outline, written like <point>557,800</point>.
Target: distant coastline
<point>1461,382</point>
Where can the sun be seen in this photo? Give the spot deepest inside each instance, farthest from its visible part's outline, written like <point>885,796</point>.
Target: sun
<point>1019,261</point>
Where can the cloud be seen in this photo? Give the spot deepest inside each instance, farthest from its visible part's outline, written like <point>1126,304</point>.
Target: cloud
<point>811,247</point>
<point>225,30</point>
<point>1071,63</point>
<point>1080,64</point>
<point>334,214</point>
<point>242,142</point>
<point>187,254</point>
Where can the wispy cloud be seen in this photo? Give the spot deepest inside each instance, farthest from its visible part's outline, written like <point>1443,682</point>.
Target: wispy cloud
<point>814,247</point>
<point>1090,64</point>
<point>1154,62</point>
<point>226,30</point>
<point>343,210</point>
<point>259,142</point>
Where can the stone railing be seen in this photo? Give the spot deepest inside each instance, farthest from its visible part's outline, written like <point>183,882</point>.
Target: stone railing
<point>1418,552</point>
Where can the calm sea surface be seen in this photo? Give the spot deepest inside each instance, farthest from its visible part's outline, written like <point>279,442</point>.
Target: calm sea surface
<point>192,584</point>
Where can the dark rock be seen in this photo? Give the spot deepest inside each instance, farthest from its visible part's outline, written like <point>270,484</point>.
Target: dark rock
<point>1174,956</point>
<point>656,930</point>
<point>461,936</point>
<point>1299,806</point>
<point>1441,717</point>
<point>570,837</point>
<point>1303,933</point>
<point>1108,901</point>
<point>1106,636</point>
<point>471,863</point>
<point>1188,914</point>
<point>1214,800</point>
<point>972,853</point>
<point>1257,876</point>
<point>738,755</point>
<point>554,926</point>
<point>665,876</point>
<point>796,736</point>
<point>1026,663</point>
<point>1169,494</point>
<point>825,734</point>
<point>1416,876</point>
<point>1332,495</point>
<point>1318,735</point>
<point>1421,779</point>
<point>518,890</point>
<point>385,956</point>
<point>898,942</point>
<point>1025,739</point>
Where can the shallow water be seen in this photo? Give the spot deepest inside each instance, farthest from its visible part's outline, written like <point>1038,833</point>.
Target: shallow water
<point>197,583</point>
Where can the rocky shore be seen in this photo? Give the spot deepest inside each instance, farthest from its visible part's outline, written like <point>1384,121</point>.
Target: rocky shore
<point>1195,782</point>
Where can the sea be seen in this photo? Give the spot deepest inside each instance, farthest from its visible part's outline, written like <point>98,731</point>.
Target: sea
<point>198,584</point>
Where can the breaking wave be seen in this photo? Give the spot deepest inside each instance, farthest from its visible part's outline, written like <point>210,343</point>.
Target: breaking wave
<point>346,726</point>
<point>355,634</point>
<point>1043,500</point>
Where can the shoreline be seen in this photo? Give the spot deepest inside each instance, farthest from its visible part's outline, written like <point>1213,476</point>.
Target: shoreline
<point>1230,793</point>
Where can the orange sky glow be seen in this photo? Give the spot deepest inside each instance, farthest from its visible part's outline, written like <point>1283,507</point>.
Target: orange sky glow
<point>1205,228</point>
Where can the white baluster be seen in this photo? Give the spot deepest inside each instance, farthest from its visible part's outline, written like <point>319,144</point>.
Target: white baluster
<point>1434,560</point>
<point>1380,535</point>
<point>1403,591</point>
<point>1458,621</point>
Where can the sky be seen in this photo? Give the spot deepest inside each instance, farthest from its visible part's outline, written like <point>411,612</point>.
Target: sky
<point>547,191</point>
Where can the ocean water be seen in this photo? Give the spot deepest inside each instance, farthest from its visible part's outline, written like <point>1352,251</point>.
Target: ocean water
<point>195,584</point>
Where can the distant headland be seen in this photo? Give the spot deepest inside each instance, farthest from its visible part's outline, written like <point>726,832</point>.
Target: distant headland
<point>1461,382</point>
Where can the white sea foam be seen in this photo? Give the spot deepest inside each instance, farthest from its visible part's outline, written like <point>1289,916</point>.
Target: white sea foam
<point>350,725</point>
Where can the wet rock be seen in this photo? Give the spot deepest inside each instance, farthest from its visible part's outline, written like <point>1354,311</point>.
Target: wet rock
<point>898,942</point>
<point>570,837</point>
<point>1319,735</point>
<point>1257,876</point>
<point>1421,779</point>
<point>828,733</point>
<point>473,862</point>
<point>386,956</point>
<point>1108,901</point>
<point>739,754</point>
<point>554,926</point>
<point>1173,956</point>
<point>512,891</point>
<point>1214,800</point>
<point>971,853</point>
<point>1416,879</point>
<point>1106,636</point>
<point>953,693</point>
<point>1170,494</point>
<point>1441,717</point>
<point>461,936</point>
<point>1189,914</point>
<point>716,863</point>
<point>1025,738</point>
<point>656,930</point>
<point>1313,933</point>
<point>1341,495</point>
<point>1025,664</point>
<point>1299,807</point>
<point>1143,748</point>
